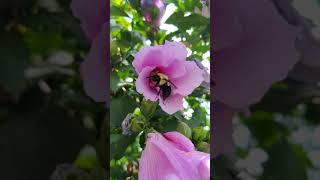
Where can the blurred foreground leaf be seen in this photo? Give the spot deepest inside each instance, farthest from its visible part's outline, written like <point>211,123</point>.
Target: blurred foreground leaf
<point>13,62</point>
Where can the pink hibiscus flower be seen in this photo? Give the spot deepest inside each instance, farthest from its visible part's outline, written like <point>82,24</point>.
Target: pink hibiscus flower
<point>94,70</point>
<point>172,156</point>
<point>308,41</point>
<point>165,75</point>
<point>253,48</point>
<point>153,11</point>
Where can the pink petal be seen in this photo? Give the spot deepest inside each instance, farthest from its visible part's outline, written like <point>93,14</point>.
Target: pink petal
<point>94,69</point>
<point>155,165</point>
<point>221,136</point>
<point>226,23</point>
<point>92,14</point>
<point>204,168</point>
<point>143,86</point>
<point>150,56</point>
<point>159,56</point>
<point>191,80</point>
<point>175,69</point>
<point>245,71</point>
<point>179,140</point>
<point>172,104</point>
<point>202,161</point>
<point>177,50</point>
<point>139,57</point>
<point>160,160</point>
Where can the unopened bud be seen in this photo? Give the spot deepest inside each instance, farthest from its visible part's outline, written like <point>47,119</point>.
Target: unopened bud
<point>137,124</point>
<point>153,11</point>
<point>184,129</point>
<point>199,134</point>
<point>87,158</point>
<point>204,147</point>
<point>126,124</point>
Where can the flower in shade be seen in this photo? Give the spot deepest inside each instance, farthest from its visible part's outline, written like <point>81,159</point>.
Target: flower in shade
<point>94,70</point>
<point>153,11</point>
<point>247,49</point>
<point>172,156</point>
<point>305,15</point>
<point>165,75</point>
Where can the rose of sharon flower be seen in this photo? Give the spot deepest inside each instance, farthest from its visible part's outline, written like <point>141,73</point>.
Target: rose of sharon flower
<point>172,156</point>
<point>153,11</point>
<point>304,14</point>
<point>165,75</point>
<point>94,70</point>
<point>253,48</point>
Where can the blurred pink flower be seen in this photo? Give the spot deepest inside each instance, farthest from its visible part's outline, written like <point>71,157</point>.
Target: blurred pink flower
<point>92,14</point>
<point>94,70</point>
<point>172,156</point>
<point>253,48</point>
<point>308,41</point>
<point>153,11</point>
<point>167,62</point>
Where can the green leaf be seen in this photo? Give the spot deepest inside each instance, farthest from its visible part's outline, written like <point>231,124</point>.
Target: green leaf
<point>183,23</point>
<point>114,80</point>
<point>285,163</point>
<point>43,42</point>
<point>223,168</point>
<point>115,11</point>
<point>13,62</point>
<point>265,129</point>
<point>148,108</point>
<point>119,144</point>
<point>119,108</point>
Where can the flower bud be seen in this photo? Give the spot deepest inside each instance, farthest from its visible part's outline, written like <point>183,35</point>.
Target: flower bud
<point>87,158</point>
<point>205,74</point>
<point>184,129</point>
<point>199,134</point>
<point>153,11</point>
<point>204,147</point>
<point>126,123</point>
<point>137,124</point>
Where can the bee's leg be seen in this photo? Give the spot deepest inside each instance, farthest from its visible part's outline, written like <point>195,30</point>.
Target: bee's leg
<point>164,100</point>
<point>172,84</point>
<point>156,85</point>
<point>158,95</point>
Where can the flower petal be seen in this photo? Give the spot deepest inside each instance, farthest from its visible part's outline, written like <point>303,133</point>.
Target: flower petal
<point>159,56</point>
<point>226,24</point>
<point>150,56</point>
<point>142,84</point>
<point>160,160</point>
<point>94,70</point>
<point>172,104</point>
<point>221,136</point>
<point>245,71</point>
<point>204,168</point>
<point>179,141</point>
<point>175,69</point>
<point>155,165</point>
<point>191,80</point>
<point>92,14</point>
<point>176,50</point>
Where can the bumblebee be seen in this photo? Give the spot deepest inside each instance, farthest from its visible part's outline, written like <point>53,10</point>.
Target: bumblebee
<point>157,79</point>
<point>165,90</point>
